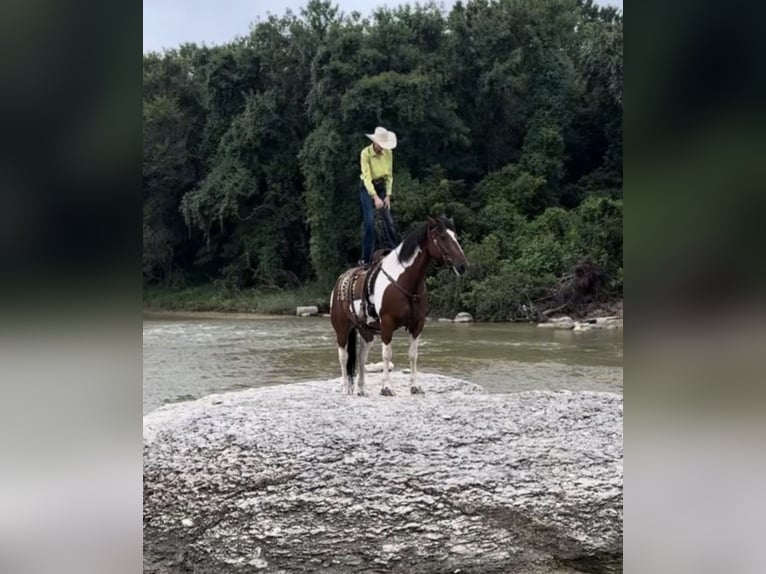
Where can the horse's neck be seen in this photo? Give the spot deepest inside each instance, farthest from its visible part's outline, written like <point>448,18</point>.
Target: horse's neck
<point>414,269</point>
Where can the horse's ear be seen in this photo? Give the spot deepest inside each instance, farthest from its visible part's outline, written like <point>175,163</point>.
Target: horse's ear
<point>431,220</point>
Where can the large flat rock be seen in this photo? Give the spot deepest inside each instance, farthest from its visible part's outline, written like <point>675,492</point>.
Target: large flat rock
<point>302,478</point>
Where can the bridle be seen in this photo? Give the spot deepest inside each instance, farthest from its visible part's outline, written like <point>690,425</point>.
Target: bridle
<point>444,259</point>
<point>413,296</point>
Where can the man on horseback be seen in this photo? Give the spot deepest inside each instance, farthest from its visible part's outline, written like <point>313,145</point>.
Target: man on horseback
<point>375,191</point>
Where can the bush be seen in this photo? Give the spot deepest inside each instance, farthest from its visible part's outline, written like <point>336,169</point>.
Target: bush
<point>515,270</point>
<point>509,295</point>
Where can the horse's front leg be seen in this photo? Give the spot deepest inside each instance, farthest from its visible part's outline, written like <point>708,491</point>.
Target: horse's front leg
<point>413,355</point>
<point>386,334</point>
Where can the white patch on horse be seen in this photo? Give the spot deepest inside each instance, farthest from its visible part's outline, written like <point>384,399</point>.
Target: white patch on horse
<point>357,303</point>
<point>454,238</point>
<point>364,351</point>
<point>346,380</point>
<point>388,354</point>
<point>413,356</point>
<point>394,268</point>
<point>332,296</point>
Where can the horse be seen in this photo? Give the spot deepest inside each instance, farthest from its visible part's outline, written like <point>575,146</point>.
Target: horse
<point>390,294</point>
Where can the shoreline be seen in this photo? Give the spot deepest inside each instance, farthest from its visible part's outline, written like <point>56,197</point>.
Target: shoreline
<point>154,314</point>
<point>212,302</point>
<point>157,315</point>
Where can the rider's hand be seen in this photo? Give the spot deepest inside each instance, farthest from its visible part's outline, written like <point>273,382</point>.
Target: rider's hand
<point>387,202</point>
<point>378,202</point>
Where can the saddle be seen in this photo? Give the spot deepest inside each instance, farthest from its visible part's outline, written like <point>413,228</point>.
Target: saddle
<point>356,285</point>
<point>378,255</point>
<point>372,273</point>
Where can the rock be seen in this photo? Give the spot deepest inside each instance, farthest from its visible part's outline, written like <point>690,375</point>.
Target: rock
<point>613,322</point>
<point>596,324</point>
<point>463,318</point>
<point>563,322</point>
<point>565,325</point>
<point>307,311</point>
<point>587,326</point>
<point>377,367</point>
<point>303,478</point>
<point>257,562</point>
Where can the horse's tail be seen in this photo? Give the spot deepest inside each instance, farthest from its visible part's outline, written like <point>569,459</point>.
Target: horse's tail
<point>351,349</point>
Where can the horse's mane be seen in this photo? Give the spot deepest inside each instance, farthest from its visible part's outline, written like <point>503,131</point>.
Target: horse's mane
<point>418,234</point>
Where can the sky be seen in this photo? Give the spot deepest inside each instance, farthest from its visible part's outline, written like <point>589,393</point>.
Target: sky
<point>170,23</point>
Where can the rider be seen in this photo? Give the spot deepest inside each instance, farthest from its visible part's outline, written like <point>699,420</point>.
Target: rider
<point>375,187</point>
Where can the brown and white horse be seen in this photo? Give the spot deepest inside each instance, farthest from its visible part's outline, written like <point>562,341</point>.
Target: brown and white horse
<point>389,295</point>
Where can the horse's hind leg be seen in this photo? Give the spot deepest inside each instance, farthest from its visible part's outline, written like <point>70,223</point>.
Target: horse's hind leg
<point>364,350</point>
<point>345,379</point>
<point>345,337</point>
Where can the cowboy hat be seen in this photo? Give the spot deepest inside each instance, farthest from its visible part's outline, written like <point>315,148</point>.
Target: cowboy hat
<point>383,137</point>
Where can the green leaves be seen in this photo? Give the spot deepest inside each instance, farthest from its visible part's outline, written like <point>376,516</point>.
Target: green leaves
<point>512,190</point>
<point>509,120</point>
<point>328,198</point>
<point>218,198</point>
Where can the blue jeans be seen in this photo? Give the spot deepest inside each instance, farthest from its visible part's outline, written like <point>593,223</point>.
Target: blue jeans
<point>390,236</point>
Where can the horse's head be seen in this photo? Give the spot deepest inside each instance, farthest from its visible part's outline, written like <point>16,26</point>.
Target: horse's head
<point>443,245</point>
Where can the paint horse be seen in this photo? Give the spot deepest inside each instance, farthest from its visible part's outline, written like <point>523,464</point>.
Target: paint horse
<point>389,295</point>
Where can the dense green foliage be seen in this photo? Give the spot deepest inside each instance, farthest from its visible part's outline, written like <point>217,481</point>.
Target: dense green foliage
<point>509,117</point>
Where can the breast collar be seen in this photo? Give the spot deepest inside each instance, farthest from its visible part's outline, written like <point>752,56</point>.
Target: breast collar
<point>414,297</point>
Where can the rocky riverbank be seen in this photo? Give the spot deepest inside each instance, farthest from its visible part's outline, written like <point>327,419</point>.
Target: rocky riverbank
<point>301,478</point>
<point>602,316</point>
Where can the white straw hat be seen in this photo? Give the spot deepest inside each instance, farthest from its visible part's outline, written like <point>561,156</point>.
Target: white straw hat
<point>383,137</point>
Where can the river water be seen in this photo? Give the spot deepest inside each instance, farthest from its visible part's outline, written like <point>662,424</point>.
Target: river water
<point>186,358</point>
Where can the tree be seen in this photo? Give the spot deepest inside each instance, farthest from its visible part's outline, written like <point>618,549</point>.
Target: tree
<point>509,117</point>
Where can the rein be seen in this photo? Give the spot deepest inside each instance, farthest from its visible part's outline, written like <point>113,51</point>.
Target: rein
<point>415,296</point>
<point>412,296</point>
<point>395,283</point>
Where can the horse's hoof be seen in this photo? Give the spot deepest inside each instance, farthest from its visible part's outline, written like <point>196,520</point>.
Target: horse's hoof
<point>386,392</point>
<point>362,393</point>
<point>416,391</point>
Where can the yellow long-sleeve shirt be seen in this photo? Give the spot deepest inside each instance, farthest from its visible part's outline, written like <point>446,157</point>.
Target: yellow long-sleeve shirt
<point>376,166</point>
